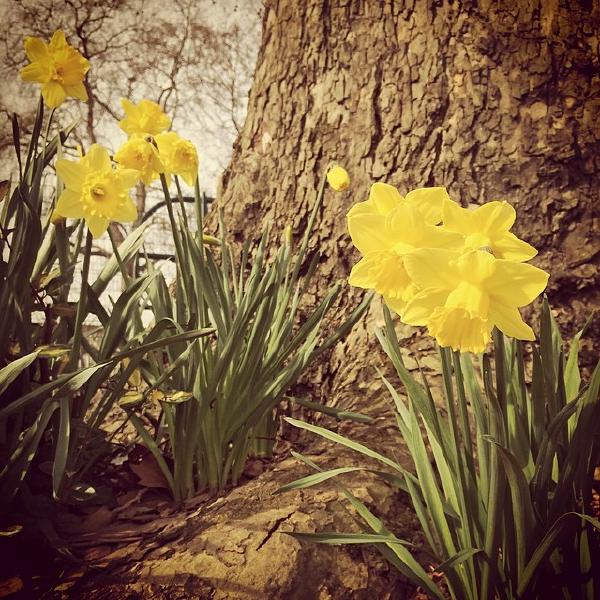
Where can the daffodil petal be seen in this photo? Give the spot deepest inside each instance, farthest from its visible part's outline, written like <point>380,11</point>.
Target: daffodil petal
<point>35,73</point>
<point>126,212</point>
<point>362,208</point>
<point>396,304</point>
<point>190,177</point>
<point>458,329</point>
<point>405,224</point>
<point>128,177</point>
<point>369,234</point>
<point>146,118</point>
<point>476,266</point>
<point>69,205</point>
<point>75,68</point>
<point>58,39</point>
<point>509,321</point>
<point>98,158</point>
<point>470,297</point>
<point>97,225</point>
<point>432,268</point>
<point>165,141</point>
<point>429,202</point>
<point>384,197</point>
<point>54,94</point>
<point>360,276</point>
<point>127,105</point>
<point>456,218</point>
<point>437,237</point>
<point>510,247</point>
<point>516,284</point>
<point>494,217</point>
<point>410,231</point>
<point>420,307</point>
<point>77,90</point>
<point>35,49</point>
<point>72,173</point>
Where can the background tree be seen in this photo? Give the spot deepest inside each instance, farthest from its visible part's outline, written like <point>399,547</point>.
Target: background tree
<point>494,100</point>
<point>194,58</point>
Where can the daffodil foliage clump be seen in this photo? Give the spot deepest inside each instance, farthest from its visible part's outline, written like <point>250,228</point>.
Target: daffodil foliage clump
<point>46,395</point>
<point>215,358</point>
<point>504,462</point>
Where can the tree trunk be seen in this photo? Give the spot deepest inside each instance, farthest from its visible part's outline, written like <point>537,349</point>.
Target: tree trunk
<point>494,100</point>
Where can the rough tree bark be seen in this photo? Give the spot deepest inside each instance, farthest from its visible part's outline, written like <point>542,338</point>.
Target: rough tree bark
<point>492,100</point>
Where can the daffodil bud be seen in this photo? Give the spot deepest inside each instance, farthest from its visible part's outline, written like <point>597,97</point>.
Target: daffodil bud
<point>338,178</point>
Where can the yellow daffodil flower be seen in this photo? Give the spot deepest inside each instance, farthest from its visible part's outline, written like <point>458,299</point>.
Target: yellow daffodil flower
<point>488,227</point>
<point>179,156</point>
<point>338,178</point>
<point>384,240</point>
<point>384,198</point>
<point>58,67</point>
<point>96,192</point>
<point>141,155</point>
<point>463,296</point>
<point>144,118</point>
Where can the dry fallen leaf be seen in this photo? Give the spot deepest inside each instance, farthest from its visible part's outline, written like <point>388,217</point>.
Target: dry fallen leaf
<point>10,586</point>
<point>149,472</point>
<point>97,520</point>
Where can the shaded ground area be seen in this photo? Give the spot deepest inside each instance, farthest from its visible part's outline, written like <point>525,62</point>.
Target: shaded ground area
<point>138,544</point>
<point>234,546</point>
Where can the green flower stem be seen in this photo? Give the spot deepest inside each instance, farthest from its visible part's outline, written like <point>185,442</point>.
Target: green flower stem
<point>176,235</point>
<point>82,305</point>
<point>34,139</point>
<point>497,486</point>
<point>61,242</point>
<point>199,206</point>
<point>47,132</point>
<point>120,262</point>
<point>137,317</point>
<point>501,379</point>
<point>472,497</point>
<point>467,576</point>
<point>181,202</point>
<point>462,406</point>
<point>202,308</point>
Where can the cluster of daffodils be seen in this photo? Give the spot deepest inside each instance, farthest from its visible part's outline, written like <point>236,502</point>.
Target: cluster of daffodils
<point>96,189</point>
<point>152,150</point>
<point>459,272</point>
